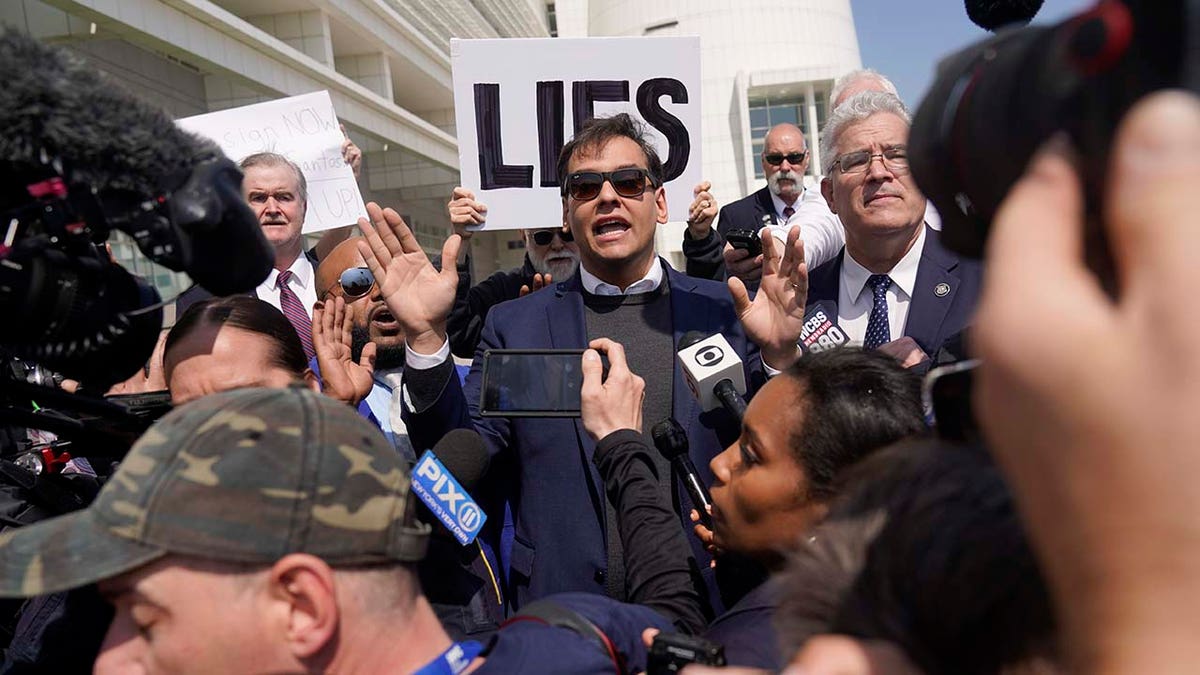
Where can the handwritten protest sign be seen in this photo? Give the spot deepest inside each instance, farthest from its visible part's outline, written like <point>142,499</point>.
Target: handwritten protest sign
<point>305,130</point>
<point>517,101</point>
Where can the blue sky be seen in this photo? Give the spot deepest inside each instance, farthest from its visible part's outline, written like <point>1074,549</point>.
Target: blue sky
<point>904,39</point>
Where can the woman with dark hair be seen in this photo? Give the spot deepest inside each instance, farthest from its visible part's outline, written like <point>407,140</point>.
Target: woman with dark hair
<point>804,427</point>
<point>232,342</point>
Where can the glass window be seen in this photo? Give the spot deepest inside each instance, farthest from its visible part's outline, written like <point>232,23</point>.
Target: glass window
<point>784,114</point>
<point>758,118</point>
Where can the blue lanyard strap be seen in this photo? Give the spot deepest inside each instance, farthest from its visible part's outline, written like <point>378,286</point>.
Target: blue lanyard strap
<point>454,660</point>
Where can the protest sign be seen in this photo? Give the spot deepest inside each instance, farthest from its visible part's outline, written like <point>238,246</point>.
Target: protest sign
<point>517,101</point>
<point>305,130</point>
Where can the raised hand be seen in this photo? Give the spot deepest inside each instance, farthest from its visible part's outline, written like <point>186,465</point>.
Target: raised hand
<point>350,153</point>
<point>702,212</point>
<point>774,318</point>
<point>341,377</point>
<point>416,293</point>
<point>540,281</point>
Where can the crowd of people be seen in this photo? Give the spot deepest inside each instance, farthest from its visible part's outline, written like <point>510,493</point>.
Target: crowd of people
<point>270,524</point>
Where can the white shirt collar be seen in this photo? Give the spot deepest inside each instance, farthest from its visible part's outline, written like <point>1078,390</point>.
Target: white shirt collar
<point>780,205</point>
<point>903,274</point>
<point>302,272</point>
<point>592,284</point>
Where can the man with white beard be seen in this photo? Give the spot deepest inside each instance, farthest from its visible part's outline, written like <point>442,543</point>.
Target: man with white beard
<point>550,255</point>
<point>782,203</point>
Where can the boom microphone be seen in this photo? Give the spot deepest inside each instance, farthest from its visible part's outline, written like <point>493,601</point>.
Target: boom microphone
<point>79,157</point>
<point>995,14</point>
<point>672,443</point>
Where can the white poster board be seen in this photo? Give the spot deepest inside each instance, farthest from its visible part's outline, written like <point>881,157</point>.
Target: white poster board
<point>305,130</point>
<point>510,96</point>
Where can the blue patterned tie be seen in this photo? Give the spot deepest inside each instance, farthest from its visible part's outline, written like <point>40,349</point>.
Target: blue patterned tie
<point>878,330</point>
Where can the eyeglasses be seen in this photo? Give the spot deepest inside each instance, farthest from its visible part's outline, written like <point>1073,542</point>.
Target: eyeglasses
<point>355,282</point>
<point>586,185</point>
<point>895,159</point>
<point>544,237</point>
<point>776,158</point>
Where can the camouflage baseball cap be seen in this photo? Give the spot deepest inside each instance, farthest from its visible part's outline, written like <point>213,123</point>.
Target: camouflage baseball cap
<point>243,476</point>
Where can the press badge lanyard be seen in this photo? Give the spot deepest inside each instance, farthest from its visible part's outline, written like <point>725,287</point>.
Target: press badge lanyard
<point>454,660</point>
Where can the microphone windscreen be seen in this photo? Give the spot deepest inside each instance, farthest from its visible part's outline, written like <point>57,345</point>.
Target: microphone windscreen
<point>670,438</point>
<point>56,103</point>
<point>465,456</point>
<point>994,14</point>
<point>690,338</point>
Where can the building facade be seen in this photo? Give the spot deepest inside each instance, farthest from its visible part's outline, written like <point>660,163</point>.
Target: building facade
<point>386,65</point>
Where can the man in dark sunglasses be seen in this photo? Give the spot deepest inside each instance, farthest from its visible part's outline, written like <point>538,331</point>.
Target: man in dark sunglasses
<point>550,255</point>
<point>783,202</point>
<point>343,371</point>
<point>564,538</point>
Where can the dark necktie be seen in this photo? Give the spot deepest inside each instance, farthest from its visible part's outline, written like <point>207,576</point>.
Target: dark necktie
<point>878,330</point>
<point>787,213</point>
<point>293,309</point>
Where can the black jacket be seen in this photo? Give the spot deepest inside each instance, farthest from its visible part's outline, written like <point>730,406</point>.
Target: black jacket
<point>471,303</point>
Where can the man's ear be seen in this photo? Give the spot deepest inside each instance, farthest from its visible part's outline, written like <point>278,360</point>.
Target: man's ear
<point>302,587</point>
<point>311,380</point>
<point>827,193</point>
<point>660,203</point>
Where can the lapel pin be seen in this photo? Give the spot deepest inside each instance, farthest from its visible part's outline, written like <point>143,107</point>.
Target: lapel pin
<point>942,290</point>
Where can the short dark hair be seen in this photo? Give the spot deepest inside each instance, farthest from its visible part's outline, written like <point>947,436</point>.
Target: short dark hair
<point>937,563</point>
<point>249,314</point>
<point>599,130</point>
<point>849,403</point>
<point>276,159</point>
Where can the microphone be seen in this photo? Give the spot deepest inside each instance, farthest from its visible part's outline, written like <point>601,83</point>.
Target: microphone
<point>820,330</point>
<point>713,372</point>
<point>672,443</point>
<point>443,478</point>
<point>79,157</point>
<point>995,14</point>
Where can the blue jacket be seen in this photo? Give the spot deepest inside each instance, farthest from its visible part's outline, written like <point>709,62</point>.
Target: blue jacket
<point>543,467</point>
<point>943,301</point>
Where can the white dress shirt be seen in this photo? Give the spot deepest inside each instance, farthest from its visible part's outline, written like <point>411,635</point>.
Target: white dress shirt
<point>855,298</point>
<point>820,229</point>
<point>303,284</point>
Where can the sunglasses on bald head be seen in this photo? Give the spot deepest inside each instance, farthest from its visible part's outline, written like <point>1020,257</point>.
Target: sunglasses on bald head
<point>544,237</point>
<point>355,282</point>
<point>584,186</point>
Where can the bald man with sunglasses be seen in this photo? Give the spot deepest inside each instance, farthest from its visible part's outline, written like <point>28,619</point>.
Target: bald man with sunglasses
<point>359,343</point>
<point>780,204</point>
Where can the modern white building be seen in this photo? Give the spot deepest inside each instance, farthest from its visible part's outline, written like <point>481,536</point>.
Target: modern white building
<point>386,64</point>
<point>762,62</point>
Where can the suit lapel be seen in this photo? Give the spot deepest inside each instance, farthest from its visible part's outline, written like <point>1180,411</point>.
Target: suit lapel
<point>763,206</point>
<point>568,330</point>
<point>933,294</point>
<point>688,313</point>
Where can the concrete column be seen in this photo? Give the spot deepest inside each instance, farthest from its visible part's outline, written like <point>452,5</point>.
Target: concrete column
<point>307,32</point>
<point>814,134</point>
<point>373,71</point>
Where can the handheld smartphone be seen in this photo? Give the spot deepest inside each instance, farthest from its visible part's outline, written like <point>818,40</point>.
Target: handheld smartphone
<point>532,382</point>
<point>670,652</point>
<point>946,395</point>
<point>746,240</point>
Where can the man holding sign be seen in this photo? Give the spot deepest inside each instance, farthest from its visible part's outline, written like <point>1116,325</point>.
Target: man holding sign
<point>612,201</point>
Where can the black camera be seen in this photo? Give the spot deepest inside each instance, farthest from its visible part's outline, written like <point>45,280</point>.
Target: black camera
<point>994,103</point>
<point>670,652</point>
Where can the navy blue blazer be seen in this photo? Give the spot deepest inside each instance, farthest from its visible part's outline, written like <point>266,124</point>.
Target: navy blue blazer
<point>943,300</point>
<point>543,466</point>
